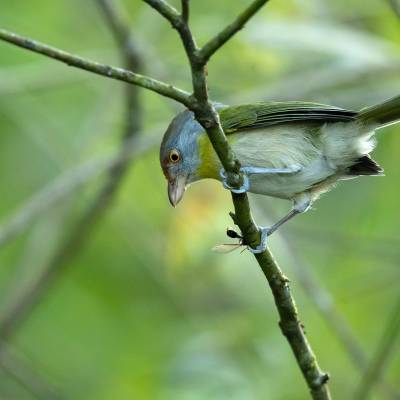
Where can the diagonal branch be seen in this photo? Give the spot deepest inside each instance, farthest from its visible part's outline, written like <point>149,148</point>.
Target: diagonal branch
<point>221,38</point>
<point>167,11</point>
<point>207,116</point>
<point>290,323</point>
<point>119,74</point>
<point>185,10</point>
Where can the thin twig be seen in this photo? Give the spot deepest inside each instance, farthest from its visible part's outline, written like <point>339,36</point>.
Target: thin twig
<point>185,10</point>
<point>207,116</point>
<point>180,24</point>
<point>120,74</point>
<point>167,11</point>
<point>380,359</point>
<point>290,323</point>
<point>219,40</point>
<point>76,238</point>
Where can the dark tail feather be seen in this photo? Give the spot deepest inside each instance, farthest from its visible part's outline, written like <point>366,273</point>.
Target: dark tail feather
<point>383,114</point>
<point>365,165</point>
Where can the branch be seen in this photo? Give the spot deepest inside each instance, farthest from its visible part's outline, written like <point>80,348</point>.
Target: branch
<point>167,11</point>
<point>382,354</point>
<point>207,116</point>
<point>119,74</point>
<point>180,24</point>
<point>203,109</point>
<point>185,10</point>
<point>221,38</point>
<point>77,237</point>
<point>290,324</point>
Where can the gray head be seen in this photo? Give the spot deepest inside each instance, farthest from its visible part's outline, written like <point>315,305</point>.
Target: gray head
<point>179,154</point>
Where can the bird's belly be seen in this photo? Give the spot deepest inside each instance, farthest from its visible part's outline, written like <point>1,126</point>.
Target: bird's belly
<point>286,186</point>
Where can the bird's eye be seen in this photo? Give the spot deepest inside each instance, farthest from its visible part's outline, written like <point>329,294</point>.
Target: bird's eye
<point>174,156</point>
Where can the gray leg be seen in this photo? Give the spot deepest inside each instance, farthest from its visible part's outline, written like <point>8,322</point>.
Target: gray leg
<point>266,171</point>
<point>301,204</point>
<point>293,212</point>
<point>256,171</point>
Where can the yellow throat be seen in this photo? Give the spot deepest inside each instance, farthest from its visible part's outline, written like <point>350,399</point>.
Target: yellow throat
<point>209,166</point>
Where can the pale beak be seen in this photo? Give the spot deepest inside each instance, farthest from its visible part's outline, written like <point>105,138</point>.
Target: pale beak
<point>176,189</point>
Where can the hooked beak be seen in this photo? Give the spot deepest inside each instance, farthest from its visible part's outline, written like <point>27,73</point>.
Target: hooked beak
<point>176,189</point>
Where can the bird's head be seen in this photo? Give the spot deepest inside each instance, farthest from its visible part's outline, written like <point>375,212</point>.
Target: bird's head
<point>179,154</point>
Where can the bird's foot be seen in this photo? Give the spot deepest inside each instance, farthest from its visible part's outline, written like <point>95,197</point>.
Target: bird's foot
<point>264,232</point>
<point>242,189</point>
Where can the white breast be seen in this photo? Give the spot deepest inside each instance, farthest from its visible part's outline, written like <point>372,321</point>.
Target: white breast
<point>321,155</point>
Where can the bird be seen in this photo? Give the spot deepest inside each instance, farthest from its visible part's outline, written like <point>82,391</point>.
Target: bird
<point>291,150</point>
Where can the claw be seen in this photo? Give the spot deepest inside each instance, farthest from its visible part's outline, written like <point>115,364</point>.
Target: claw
<point>243,189</point>
<point>264,231</point>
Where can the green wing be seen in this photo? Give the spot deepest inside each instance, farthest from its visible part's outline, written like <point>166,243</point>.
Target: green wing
<point>262,115</point>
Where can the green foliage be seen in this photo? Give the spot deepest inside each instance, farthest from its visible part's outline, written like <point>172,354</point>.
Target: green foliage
<point>147,311</point>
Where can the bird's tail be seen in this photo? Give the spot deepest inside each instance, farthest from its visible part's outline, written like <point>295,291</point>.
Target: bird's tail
<point>383,114</point>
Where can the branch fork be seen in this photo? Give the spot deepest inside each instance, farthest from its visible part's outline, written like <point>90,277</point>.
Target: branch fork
<point>207,116</point>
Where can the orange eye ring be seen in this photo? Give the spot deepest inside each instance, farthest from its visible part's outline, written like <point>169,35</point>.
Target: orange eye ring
<point>174,156</point>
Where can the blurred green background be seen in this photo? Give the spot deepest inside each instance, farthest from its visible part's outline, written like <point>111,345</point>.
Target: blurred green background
<point>146,310</point>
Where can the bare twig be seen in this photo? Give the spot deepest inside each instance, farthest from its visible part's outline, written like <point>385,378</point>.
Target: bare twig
<point>292,328</point>
<point>120,74</point>
<point>185,10</point>
<point>219,40</point>
<point>207,116</point>
<point>380,359</point>
<point>74,241</point>
<point>167,11</point>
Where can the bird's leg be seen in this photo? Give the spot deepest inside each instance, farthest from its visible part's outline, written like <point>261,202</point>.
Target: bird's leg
<point>265,171</point>
<point>301,204</point>
<point>246,171</point>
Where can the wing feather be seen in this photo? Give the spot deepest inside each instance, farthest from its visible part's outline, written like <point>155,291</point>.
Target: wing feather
<point>262,115</point>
